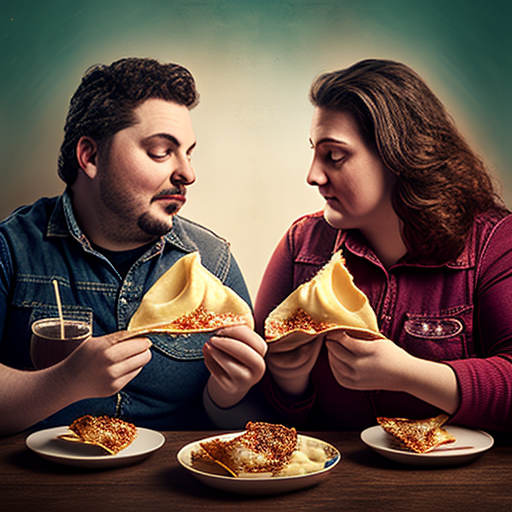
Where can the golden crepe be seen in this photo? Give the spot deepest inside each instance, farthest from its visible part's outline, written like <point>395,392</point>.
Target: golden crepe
<point>188,298</point>
<point>329,301</point>
<point>111,434</point>
<point>262,448</point>
<point>420,436</point>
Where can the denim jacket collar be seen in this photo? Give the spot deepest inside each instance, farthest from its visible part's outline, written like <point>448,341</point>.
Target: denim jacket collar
<point>63,223</point>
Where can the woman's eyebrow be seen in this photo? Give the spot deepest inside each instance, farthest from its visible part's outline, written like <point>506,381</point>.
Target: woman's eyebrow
<point>328,140</point>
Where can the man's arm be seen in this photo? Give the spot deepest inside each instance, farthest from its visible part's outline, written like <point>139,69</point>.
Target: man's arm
<point>99,367</point>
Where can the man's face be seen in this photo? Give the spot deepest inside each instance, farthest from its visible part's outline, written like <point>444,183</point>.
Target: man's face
<point>143,177</point>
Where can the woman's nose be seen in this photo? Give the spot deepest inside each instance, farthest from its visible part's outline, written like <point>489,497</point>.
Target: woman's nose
<point>316,176</point>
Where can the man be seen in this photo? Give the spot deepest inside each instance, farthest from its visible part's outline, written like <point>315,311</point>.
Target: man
<point>125,160</point>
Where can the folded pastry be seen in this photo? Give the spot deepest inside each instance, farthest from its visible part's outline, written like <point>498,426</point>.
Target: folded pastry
<point>330,300</point>
<point>262,448</point>
<point>419,436</point>
<point>188,298</point>
<point>111,434</point>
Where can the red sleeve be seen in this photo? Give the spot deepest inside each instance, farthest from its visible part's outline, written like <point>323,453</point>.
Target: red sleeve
<point>486,383</point>
<point>276,284</point>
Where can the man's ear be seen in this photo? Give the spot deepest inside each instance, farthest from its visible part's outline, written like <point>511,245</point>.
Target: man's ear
<point>87,156</point>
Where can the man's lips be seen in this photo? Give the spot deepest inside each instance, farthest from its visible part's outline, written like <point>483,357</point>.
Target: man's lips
<point>171,195</point>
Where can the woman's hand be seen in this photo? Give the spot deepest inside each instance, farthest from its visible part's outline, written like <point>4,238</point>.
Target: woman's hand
<point>102,366</point>
<point>291,366</point>
<point>382,365</point>
<point>367,364</point>
<point>235,357</point>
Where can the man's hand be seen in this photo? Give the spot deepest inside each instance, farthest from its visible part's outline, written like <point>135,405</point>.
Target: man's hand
<point>235,358</point>
<point>98,367</point>
<point>104,365</point>
<point>291,366</point>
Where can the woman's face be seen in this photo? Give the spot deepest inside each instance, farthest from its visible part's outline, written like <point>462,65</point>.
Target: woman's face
<point>355,183</point>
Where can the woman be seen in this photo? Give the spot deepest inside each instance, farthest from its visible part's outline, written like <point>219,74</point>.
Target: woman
<point>425,237</point>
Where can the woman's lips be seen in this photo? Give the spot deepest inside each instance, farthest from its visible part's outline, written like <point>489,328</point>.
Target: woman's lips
<point>331,200</point>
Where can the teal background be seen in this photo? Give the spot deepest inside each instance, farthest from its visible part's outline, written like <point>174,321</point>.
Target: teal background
<point>253,61</point>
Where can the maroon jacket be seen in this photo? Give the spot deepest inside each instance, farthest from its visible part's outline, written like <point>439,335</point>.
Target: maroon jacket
<point>459,313</point>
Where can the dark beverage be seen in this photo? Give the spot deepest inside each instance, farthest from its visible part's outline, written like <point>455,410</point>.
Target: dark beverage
<point>47,347</point>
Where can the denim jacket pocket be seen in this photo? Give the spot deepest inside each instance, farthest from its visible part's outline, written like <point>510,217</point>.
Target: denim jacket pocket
<point>183,347</point>
<point>73,312</point>
<point>439,337</point>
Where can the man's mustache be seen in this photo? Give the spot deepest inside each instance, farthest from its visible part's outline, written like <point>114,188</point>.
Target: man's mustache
<point>175,191</point>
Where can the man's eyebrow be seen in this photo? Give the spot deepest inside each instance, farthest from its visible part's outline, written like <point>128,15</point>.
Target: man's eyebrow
<point>167,136</point>
<point>170,138</point>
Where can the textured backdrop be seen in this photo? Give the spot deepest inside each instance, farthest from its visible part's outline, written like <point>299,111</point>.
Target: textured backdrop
<point>253,61</point>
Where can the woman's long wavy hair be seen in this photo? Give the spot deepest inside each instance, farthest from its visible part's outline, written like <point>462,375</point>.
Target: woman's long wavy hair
<point>441,183</point>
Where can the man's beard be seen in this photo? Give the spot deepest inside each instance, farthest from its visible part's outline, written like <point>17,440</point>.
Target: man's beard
<point>156,227</point>
<point>122,207</point>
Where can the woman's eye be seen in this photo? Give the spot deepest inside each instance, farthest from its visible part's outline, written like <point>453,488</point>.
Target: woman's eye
<point>336,156</point>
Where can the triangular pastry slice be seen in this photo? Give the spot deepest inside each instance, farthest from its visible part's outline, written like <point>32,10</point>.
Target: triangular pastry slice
<point>262,448</point>
<point>111,434</point>
<point>188,298</point>
<point>330,300</point>
<point>420,436</point>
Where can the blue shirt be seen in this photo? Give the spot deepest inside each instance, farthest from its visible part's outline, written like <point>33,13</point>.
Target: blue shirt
<point>42,242</point>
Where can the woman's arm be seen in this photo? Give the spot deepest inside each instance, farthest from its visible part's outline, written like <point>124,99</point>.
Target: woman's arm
<point>486,382</point>
<point>287,381</point>
<point>382,365</point>
<point>276,284</point>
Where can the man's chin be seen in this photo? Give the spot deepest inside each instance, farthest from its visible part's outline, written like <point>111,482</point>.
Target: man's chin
<point>154,227</point>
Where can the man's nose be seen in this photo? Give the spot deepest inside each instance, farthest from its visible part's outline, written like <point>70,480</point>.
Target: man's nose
<point>183,172</point>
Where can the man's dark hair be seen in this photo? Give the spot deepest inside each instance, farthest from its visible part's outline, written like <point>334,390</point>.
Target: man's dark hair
<point>104,102</point>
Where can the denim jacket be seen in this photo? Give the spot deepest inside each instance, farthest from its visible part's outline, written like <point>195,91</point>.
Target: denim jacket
<point>42,242</point>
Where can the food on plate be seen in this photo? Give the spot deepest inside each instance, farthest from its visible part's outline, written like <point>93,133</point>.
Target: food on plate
<point>330,300</point>
<point>420,436</point>
<point>111,434</point>
<point>263,450</point>
<point>188,298</point>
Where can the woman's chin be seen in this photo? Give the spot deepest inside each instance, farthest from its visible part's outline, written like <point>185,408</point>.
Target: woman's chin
<point>333,218</point>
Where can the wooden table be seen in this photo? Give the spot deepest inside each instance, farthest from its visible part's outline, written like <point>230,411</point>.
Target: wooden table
<point>363,481</point>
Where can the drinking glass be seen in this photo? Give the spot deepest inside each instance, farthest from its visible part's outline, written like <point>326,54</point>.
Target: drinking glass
<point>48,347</point>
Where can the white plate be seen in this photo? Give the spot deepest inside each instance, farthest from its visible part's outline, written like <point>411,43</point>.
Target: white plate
<point>469,445</point>
<point>47,445</point>
<point>257,485</point>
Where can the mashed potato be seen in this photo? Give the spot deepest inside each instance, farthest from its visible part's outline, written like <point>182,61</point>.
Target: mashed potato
<point>309,457</point>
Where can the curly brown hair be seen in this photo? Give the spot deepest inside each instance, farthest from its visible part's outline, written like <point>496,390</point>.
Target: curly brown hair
<point>104,102</point>
<point>442,184</point>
